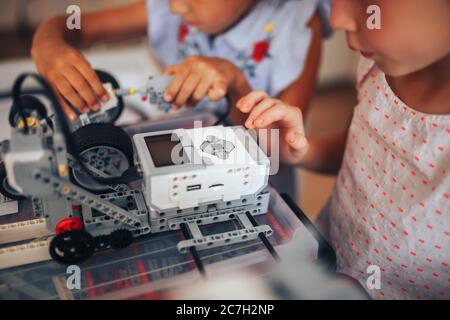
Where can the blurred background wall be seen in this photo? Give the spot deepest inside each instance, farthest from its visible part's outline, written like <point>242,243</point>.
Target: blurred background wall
<point>32,12</point>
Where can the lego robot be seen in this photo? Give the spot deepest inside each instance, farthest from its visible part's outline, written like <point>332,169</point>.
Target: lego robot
<point>78,178</point>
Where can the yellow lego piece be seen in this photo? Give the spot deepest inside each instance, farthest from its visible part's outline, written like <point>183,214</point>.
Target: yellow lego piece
<point>65,190</point>
<point>63,170</point>
<point>268,27</point>
<point>32,122</point>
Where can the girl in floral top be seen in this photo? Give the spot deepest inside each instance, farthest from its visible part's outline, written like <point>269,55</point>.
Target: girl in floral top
<point>390,209</point>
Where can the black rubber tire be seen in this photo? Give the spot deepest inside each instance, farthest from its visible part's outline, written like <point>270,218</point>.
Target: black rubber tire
<point>81,242</point>
<point>30,104</point>
<point>106,77</point>
<point>120,239</point>
<point>103,134</point>
<point>5,188</point>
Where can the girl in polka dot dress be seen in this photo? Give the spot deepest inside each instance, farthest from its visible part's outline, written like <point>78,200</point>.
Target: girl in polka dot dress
<point>391,203</point>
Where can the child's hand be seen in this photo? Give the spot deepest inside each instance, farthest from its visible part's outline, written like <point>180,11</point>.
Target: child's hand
<point>71,75</point>
<point>199,77</point>
<point>265,112</point>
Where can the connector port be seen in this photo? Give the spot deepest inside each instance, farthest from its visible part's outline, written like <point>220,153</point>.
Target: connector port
<point>194,187</point>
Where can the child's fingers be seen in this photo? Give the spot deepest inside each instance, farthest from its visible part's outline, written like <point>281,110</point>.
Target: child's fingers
<point>170,70</point>
<point>83,88</point>
<point>92,78</point>
<point>290,117</point>
<point>258,110</point>
<point>296,140</point>
<point>65,89</point>
<point>218,90</point>
<point>201,90</point>
<point>180,74</point>
<point>247,103</point>
<point>67,110</point>
<point>187,88</point>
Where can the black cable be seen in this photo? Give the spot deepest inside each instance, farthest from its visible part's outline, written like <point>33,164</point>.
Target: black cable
<point>198,262</point>
<point>264,239</point>
<point>63,124</point>
<point>16,93</point>
<point>31,91</point>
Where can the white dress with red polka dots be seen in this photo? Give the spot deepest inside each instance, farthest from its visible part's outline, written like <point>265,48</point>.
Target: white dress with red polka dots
<point>391,204</point>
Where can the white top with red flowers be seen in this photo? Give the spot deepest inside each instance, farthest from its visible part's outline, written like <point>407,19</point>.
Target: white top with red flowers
<point>391,204</point>
<point>269,44</point>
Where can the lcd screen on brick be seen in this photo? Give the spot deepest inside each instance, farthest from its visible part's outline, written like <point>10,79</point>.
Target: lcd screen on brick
<point>160,148</point>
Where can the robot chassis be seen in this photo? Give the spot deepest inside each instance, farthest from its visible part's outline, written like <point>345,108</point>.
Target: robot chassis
<point>86,214</point>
